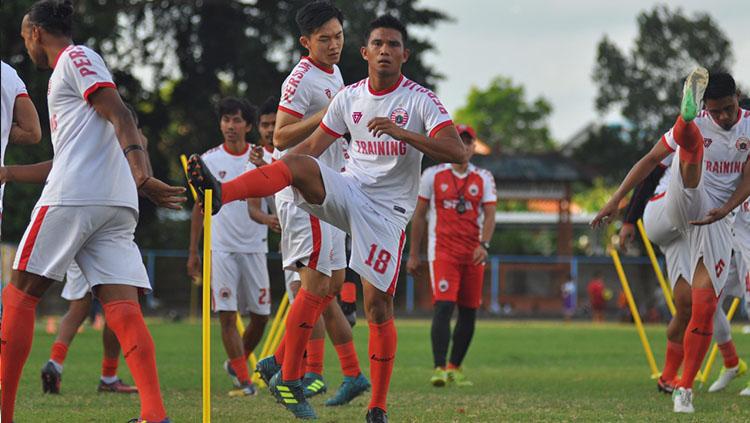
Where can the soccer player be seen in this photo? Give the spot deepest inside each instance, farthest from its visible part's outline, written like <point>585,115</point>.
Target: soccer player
<point>711,177</point>
<point>314,248</point>
<point>238,248</point>
<point>393,121</point>
<point>457,202</point>
<point>94,139</point>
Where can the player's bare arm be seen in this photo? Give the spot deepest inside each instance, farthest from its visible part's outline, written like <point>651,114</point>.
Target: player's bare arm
<point>488,228</point>
<point>316,144</point>
<point>418,229</point>
<point>29,174</point>
<point>107,103</point>
<point>637,173</point>
<point>256,156</point>
<point>291,130</point>
<point>738,197</point>
<point>258,216</point>
<point>444,147</point>
<point>25,128</point>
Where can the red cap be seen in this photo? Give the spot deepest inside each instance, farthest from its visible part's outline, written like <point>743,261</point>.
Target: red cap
<point>466,129</point>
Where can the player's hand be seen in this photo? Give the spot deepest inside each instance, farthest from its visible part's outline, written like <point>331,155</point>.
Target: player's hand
<point>414,265</point>
<point>604,217</point>
<point>627,235</point>
<point>479,256</point>
<point>161,194</point>
<point>256,156</point>
<point>711,217</point>
<point>194,266</point>
<point>381,125</point>
<point>273,223</point>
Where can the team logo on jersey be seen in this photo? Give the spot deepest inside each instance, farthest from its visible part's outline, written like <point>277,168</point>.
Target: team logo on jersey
<point>222,174</point>
<point>707,142</point>
<point>356,117</point>
<point>743,143</point>
<point>473,189</point>
<point>400,117</point>
<point>443,187</point>
<point>443,285</point>
<point>328,93</point>
<point>225,293</point>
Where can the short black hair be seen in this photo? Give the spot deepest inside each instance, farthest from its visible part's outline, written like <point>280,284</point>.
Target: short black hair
<point>720,85</point>
<point>232,105</point>
<point>313,15</point>
<point>269,106</point>
<point>55,16</point>
<point>387,21</point>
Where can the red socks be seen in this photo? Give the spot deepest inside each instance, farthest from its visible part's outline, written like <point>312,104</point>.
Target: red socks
<point>348,358</point>
<point>126,321</point>
<point>730,354</point>
<point>302,316</point>
<point>109,366</point>
<point>316,349</point>
<point>59,352</point>
<point>675,353</point>
<point>382,351</point>
<point>280,350</point>
<point>349,292</point>
<point>257,183</point>
<point>239,365</point>
<point>689,138</point>
<point>17,334</point>
<point>698,333</point>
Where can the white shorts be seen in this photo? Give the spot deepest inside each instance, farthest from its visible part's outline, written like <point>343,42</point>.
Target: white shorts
<point>98,238</point>
<point>712,243</point>
<point>239,282</point>
<point>76,286</point>
<point>306,240</point>
<point>290,277</point>
<point>377,243</point>
<point>661,232</point>
<point>735,286</point>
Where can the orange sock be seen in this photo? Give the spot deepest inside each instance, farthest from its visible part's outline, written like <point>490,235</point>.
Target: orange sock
<point>349,292</point>
<point>730,354</point>
<point>673,361</point>
<point>382,349</point>
<point>280,350</point>
<point>257,183</point>
<point>109,366</point>
<point>348,358</point>
<point>126,321</point>
<point>689,138</point>
<point>59,352</point>
<point>17,334</point>
<point>316,349</point>
<point>451,366</point>
<point>299,325</point>
<point>239,365</point>
<point>698,333</point>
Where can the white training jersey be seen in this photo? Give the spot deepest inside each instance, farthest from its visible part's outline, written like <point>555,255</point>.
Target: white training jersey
<point>11,88</point>
<point>742,225</point>
<point>232,229</point>
<point>386,169</point>
<point>308,89</point>
<point>666,164</point>
<point>89,167</point>
<point>724,154</point>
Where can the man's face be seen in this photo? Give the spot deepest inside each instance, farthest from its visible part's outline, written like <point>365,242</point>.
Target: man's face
<point>385,52</point>
<point>266,123</point>
<point>724,111</point>
<point>325,43</point>
<point>234,127</point>
<point>469,144</point>
<point>32,37</point>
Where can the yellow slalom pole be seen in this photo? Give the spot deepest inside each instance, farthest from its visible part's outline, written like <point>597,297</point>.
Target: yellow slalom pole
<point>206,323</point>
<point>634,312</point>
<point>280,331</point>
<point>657,269</point>
<point>268,348</point>
<point>715,348</point>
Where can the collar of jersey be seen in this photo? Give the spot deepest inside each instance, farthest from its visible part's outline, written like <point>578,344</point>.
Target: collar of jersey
<point>388,90</point>
<point>224,146</point>
<point>318,65</point>
<point>57,59</point>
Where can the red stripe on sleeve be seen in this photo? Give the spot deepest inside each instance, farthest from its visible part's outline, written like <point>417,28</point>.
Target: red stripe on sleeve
<point>28,246</point>
<point>330,131</point>
<point>92,89</point>
<point>666,144</point>
<point>22,95</point>
<point>420,198</point>
<point>440,126</point>
<point>315,227</point>
<point>392,286</point>
<point>291,112</point>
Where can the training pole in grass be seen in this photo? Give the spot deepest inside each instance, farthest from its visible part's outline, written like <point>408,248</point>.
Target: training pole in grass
<point>657,269</point>
<point>715,348</point>
<point>634,312</point>
<point>206,318</point>
<point>276,326</point>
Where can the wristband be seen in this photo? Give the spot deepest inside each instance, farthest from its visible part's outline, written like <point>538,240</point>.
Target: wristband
<point>131,147</point>
<point>485,245</point>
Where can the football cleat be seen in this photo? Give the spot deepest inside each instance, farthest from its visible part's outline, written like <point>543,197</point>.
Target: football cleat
<point>139,420</point>
<point>664,386</point>
<point>376,415</point>
<point>266,368</point>
<point>439,377</point>
<point>683,400</point>
<point>118,387</point>
<point>457,376</point>
<point>313,384</point>
<point>202,179</point>
<point>727,375</point>
<point>51,379</point>
<point>232,375</point>
<point>245,390</point>
<point>745,392</point>
<point>291,396</point>
<point>350,388</point>
<point>692,93</point>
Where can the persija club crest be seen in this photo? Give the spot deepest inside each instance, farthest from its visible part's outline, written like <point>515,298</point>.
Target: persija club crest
<point>222,174</point>
<point>707,142</point>
<point>743,143</point>
<point>356,117</point>
<point>473,189</point>
<point>400,117</point>
<point>328,93</point>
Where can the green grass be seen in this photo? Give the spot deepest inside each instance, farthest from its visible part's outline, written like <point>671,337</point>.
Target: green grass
<point>521,371</point>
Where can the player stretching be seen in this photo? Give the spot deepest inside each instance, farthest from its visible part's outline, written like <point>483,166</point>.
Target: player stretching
<point>94,139</point>
<point>392,121</point>
<point>710,179</point>
<point>460,199</point>
<point>313,248</point>
<point>238,246</point>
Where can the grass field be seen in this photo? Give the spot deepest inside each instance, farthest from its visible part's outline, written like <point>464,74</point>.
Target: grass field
<point>533,371</point>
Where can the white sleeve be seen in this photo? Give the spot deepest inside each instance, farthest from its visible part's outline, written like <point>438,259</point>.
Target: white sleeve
<point>87,71</point>
<point>669,141</point>
<point>333,122</point>
<point>426,184</point>
<point>434,115</point>
<point>489,196</point>
<point>295,100</point>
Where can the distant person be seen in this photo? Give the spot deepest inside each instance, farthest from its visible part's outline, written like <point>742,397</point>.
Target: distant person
<point>597,301</point>
<point>570,298</point>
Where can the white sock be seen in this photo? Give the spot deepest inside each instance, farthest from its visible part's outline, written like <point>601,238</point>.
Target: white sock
<point>58,366</point>
<point>109,379</point>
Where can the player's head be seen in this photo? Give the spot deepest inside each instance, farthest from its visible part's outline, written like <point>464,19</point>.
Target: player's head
<point>46,21</point>
<point>469,137</point>
<point>236,118</point>
<point>267,120</point>
<point>385,46</point>
<point>321,27</point>
<point>721,99</point>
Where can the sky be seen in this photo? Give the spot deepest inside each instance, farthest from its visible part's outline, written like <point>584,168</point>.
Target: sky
<point>549,46</point>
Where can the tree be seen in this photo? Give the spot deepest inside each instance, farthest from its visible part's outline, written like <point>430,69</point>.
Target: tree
<point>646,84</point>
<point>608,152</point>
<point>504,118</point>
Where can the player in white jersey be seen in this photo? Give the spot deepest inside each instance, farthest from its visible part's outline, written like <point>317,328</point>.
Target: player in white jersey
<point>94,139</point>
<point>239,275</point>
<point>392,121</point>
<point>710,179</point>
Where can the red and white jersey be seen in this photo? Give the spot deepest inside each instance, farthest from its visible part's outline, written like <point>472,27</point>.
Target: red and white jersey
<point>452,234</point>
<point>742,225</point>
<point>724,154</point>
<point>386,169</point>
<point>232,229</point>
<point>11,88</point>
<point>88,166</point>
<point>308,89</point>
<point>661,187</point>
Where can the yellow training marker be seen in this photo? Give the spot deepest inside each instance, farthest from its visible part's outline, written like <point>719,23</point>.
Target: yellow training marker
<point>206,323</point>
